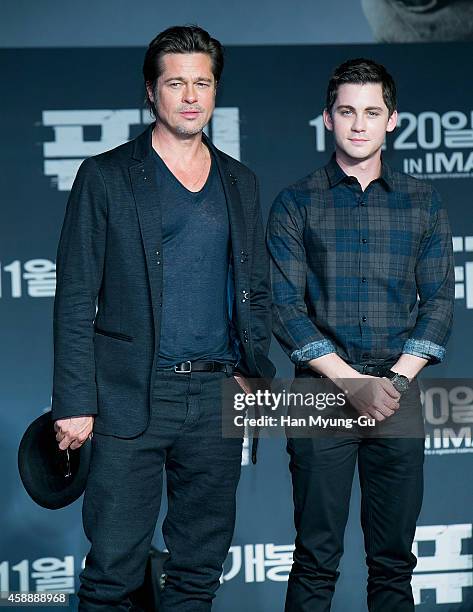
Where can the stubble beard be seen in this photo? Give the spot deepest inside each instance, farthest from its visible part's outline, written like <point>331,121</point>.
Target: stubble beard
<point>182,130</point>
<point>179,130</point>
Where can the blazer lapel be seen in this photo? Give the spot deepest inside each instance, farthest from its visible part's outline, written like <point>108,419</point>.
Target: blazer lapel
<point>148,207</point>
<point>238,234</point>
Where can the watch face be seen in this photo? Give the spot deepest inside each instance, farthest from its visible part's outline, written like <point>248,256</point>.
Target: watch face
<point>400,383</point>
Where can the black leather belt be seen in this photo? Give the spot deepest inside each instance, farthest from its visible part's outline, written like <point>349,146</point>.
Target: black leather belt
<point>373,370</point>
<point>186,367</point>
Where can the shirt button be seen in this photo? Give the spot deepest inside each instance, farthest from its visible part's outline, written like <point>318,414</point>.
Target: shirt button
<point>363,280</point>
<point>362,203</point>
<point>364,240</point>
<point>363,319</point>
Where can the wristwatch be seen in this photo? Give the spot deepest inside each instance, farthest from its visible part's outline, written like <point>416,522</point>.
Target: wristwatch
<point>399,381</point>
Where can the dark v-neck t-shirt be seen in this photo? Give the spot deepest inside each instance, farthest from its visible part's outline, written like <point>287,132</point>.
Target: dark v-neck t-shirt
<point>195,258</point>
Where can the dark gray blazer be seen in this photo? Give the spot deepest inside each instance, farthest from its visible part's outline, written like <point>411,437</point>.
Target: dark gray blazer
<point>110,253</point>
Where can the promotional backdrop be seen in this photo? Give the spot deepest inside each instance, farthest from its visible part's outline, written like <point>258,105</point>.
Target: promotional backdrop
<point>63,105</point>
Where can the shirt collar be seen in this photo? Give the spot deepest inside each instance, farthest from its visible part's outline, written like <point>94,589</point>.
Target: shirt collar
<point>336,175</point>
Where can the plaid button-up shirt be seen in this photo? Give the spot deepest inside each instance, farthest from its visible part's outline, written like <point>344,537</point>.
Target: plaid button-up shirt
<point>365,274</point>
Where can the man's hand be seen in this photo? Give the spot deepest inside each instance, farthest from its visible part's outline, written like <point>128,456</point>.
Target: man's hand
<point>242,382</point>
<point>73,432</point>
<point>369,395</point>
<point>372,396</point>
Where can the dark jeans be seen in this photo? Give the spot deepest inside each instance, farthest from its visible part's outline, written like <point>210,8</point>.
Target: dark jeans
<point>391,479</point>
<point>123,497</point>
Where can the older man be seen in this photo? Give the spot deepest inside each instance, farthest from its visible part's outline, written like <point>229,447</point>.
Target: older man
<point>165,233</point>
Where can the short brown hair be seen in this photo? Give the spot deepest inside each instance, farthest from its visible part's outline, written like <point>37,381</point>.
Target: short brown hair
<point>180,39</point>
<point>362,71</point>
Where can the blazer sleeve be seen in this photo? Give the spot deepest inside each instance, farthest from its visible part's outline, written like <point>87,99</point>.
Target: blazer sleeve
<point>260,302</point>
<point>79,270</point>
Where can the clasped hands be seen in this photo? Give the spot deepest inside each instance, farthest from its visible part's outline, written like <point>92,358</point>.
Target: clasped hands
<point>371,396</point>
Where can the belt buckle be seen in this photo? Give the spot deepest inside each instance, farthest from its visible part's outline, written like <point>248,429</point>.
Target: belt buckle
<point>181,370</point>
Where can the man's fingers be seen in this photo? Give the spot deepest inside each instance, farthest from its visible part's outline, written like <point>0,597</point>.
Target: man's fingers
<point>72,442</point>
<point>389,388</point>
<point>385,411</point>
<point>242,382</point>
<point>65,443</point>
<point>378,415</point>
<point>77,444</point>
<point>391,404</point>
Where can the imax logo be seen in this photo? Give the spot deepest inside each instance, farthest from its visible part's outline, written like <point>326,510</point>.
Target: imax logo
<point>448,418</point>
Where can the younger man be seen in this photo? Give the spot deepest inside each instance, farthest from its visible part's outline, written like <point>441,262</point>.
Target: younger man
<point>362,272</point>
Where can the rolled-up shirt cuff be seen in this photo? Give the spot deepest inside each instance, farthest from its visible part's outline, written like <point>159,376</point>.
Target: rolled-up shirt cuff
<point>425,349</point>
<point>313,350</point>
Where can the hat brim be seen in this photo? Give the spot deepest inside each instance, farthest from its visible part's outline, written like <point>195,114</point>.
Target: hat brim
<point>43,466</point>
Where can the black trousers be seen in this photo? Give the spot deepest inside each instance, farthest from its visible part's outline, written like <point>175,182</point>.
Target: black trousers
<point>391,479</point>
<point>123,497</point>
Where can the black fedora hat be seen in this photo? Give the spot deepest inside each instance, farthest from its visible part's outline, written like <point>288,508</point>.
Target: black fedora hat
<point>53,478</point>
